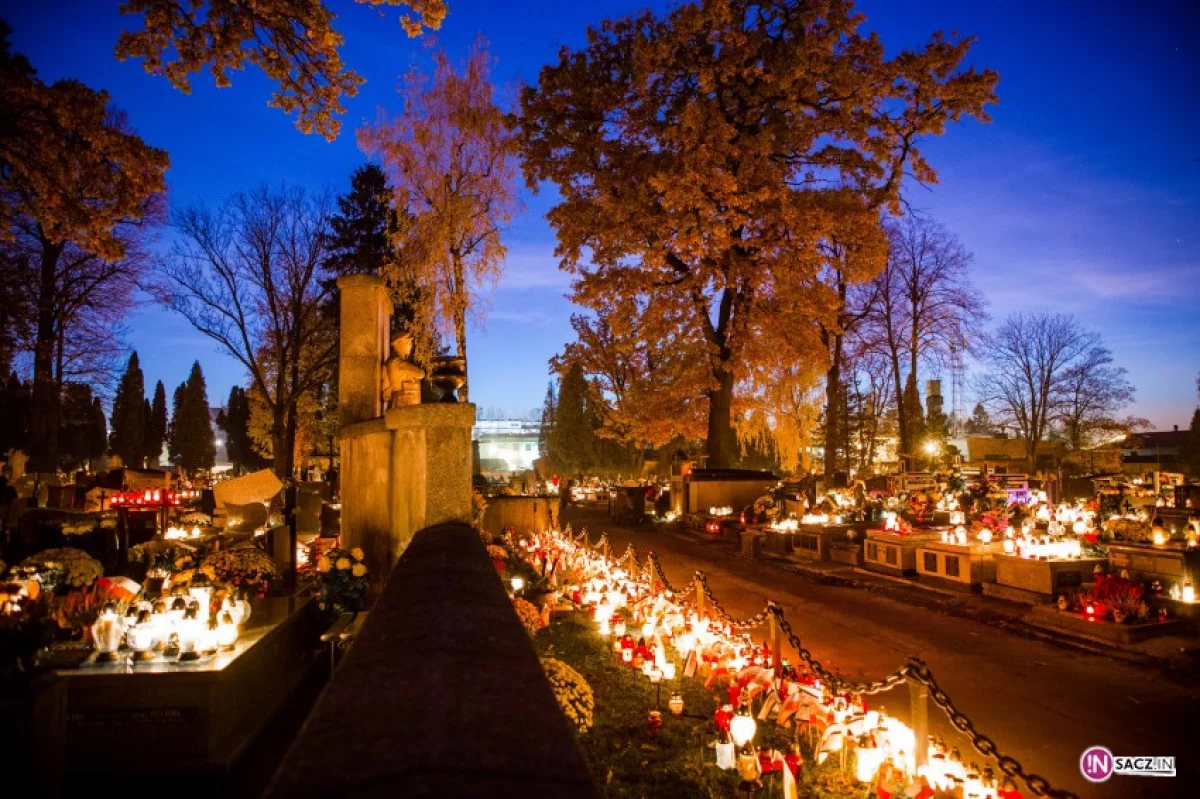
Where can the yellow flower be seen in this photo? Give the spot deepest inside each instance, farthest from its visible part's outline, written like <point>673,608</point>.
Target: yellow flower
<point>358,570</point>
<point>343,563</point>
<point>356,553</point>
<point>323,564</point>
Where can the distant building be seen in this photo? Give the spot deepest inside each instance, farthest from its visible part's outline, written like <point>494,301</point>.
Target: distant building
<point>506,446</point>
<point>1153,451</point>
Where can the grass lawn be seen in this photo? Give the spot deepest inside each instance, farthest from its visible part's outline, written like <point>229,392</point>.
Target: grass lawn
<point>628,761</point>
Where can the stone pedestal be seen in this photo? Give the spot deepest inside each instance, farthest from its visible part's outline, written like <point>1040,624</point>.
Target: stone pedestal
<point>957,565</point>
<point>813,541</point>
<point>408,470</point>
<point>365,312</point>
<point>890,553</point>
<point>1036,581</point>
<point>523,514</point>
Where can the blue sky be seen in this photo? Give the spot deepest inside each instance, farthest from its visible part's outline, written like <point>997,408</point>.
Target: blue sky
<point>1083,195</point>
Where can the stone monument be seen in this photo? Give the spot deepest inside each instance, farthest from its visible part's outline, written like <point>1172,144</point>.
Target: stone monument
<point>403,469</point>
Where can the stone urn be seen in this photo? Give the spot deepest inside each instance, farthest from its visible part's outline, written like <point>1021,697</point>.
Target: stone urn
<point>449,374</point>
<point>1119,616</point>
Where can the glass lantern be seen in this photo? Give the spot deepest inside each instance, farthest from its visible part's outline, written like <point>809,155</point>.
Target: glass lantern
<point>227,632</point>
<point>189,629</point>
<point>143,636</point>
<point>106,634</point>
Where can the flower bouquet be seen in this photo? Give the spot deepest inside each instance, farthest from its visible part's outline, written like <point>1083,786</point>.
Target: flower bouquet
<point>342,580</point>
<point>61,569</point>
<point>161,555</point>
<point>572,691</point>
<point>241,567</point>
<point>79,609</point>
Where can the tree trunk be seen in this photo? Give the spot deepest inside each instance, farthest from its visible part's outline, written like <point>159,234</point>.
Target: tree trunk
<point>833,408</point>
<point>461,333</point>
<point>901,414</point>
<point>279,443</point>
<point>43,428</point>
<point>720,421</point>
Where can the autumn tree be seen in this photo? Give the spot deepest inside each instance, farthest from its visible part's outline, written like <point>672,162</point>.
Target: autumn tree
<point>451,157</point>
<point>924,309</point>
<point>1034,363</point>
<point>292,41</point>
<point>192,443</point>
<point>646,387</point>
<point>704,158</point>
<point>76,187</point>
<point>129,422</point>
<point>251,276</point>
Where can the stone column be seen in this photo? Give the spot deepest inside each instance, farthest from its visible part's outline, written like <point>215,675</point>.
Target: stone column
<point>366,313</point>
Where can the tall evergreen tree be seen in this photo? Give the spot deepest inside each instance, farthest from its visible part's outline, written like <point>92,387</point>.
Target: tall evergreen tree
<point>14,411</point>
<point>547,426</point>
<point>82,435</point>
<point>129,416</point>
<point>234,421</point>
<point>572,435</point>
<point>360,233</point>
<point>156,427</point>
<point>191,429</point>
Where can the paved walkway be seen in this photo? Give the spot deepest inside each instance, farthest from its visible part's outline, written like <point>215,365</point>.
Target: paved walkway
<point>1041,703</point>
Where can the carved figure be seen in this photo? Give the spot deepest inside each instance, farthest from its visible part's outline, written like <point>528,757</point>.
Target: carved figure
<point>401,377</point>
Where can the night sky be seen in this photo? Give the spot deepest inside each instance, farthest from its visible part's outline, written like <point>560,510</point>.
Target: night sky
<point>1083,195</point>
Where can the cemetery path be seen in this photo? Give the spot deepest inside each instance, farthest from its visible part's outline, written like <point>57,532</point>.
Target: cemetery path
<point>1041,703</point>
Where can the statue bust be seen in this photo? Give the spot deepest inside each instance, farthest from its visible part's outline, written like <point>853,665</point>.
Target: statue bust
<point>401,377</point>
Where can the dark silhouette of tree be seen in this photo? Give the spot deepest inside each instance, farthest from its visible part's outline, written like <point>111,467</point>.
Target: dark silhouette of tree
<point>129,422</point>
<point>251,275</point>
<point>924,308</point>
<point>83,435</point>
<point>156,426</point>
<point>234,420</point>
<point>192,439</point>
<point>15,399</point>
<point>1033,365</point>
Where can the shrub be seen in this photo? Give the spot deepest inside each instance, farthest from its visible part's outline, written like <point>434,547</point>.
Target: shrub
<point>572,691</point>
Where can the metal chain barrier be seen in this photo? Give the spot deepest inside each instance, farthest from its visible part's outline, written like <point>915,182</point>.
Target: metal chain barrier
<point>1011,767</point>
<point>828,677</point>
<point>724,615</point>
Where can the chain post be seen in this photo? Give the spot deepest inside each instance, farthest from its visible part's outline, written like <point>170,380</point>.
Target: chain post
<point>652,574</point>
<point>776,641</point>
<point>918,697</point>
<point>700,594</point>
